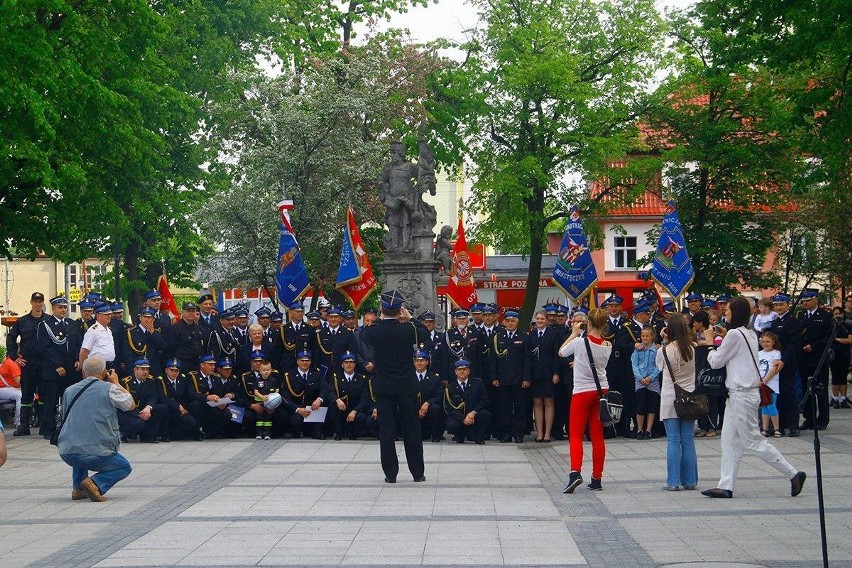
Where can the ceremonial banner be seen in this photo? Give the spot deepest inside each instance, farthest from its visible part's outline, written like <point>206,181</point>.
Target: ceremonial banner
<point>355,278</point>
<point>291,277</point>
<point>574,271</point>
<point>461,288</point>
<point>672,268</point>
<point>168,304</point>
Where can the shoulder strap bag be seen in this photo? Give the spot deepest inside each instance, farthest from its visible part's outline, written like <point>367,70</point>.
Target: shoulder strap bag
<point>610,405</point>
<point>688,405</point>
<point>54,439</point>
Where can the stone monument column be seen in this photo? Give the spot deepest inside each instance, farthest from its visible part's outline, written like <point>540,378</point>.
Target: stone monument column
<point>409,265</point>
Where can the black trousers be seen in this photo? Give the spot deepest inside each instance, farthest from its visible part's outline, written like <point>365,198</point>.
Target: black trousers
<point>625,386</point>
<point>398,413</point>
<point>212,420</point>
<point>177,427</point>
<point>788,401</point>
<point>821,391</point>
<point>494,409</point>
<point>369,425</point>
<point>476,431</point>
<point>432,425</point>
<point>341,426</point>
<point>30,377</point>
<point>513,411</point>
<point>49,391</point>
<point>131,425</point>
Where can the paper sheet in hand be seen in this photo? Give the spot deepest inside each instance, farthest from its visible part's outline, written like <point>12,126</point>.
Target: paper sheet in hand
<point>220,403</point>
<point>317,415</point>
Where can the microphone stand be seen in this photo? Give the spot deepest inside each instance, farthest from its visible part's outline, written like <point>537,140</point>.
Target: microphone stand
<point>812,391</point>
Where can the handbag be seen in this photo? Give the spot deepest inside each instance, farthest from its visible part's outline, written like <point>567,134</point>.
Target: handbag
<point>688,405</point>
<point>54,439</point>
<point>611,404</point>
<point>711,381</point>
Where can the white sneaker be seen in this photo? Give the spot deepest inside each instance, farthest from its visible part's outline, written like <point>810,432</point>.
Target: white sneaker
<point>267,437</point>
<point>258,437</point>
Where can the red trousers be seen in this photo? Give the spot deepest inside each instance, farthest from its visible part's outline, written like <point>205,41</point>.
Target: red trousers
<point>584,412</point>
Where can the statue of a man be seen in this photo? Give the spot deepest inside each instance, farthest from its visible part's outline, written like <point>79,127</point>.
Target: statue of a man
<point>406,213</point>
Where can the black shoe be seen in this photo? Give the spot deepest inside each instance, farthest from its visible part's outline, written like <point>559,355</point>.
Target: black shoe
<point>420,479</point>
<point>806,425</point>
<point>595,485</point>
<point>337,437</point>
<point>149,441</point>
<point>480,442</point>
<point>574,481</point>
<point>821,426</point>
<point>389,480</point>
<point>796,483</point>
<point>519,439</point>
<point>845,403</point>
<point>793,434</point>
<point>835,404</point>
<point>297,435</point>
<point>459,439</point>
<point>505,440</point>
<point>352,436</point>
<point>717,493</point>
<point>165,439</point>
<point>317,436</point>
<point>22,430</point>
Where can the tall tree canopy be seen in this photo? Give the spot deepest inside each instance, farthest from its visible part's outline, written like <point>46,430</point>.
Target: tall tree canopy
<point>549,88</point>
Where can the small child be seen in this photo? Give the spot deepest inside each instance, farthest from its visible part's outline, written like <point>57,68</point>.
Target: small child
<point>765,316</point>
<point>646,377</point>
<point>770,364</point>
<point>263,386</point>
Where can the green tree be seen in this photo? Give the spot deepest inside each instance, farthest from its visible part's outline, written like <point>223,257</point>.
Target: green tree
<point>547,95</point>
<point>318,137</point>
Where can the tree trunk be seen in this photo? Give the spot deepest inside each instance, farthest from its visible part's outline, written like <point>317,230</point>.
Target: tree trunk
<point>534,272</point>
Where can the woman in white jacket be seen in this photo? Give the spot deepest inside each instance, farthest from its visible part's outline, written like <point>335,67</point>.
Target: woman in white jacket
<point>738,354</point>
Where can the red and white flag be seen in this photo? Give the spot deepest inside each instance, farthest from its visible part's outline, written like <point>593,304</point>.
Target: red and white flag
<point>168,304</point>
<point>461,288</point>
<point>355,278</point>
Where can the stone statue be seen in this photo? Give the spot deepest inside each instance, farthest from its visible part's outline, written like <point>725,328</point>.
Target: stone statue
<point>444,249</point>
<point>401,186</point>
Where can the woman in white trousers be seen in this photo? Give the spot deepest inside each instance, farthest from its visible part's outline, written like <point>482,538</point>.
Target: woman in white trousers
<point>738,354</point>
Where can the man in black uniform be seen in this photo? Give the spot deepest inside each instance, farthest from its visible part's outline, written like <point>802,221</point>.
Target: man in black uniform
<point>296,336</point>
<point>162,320</point>
<point>333,341</point>
<point>487,332</point>
<point>207,318</point>
<point>241,324</point>
<point>789,332</point>
<point>460,342</point>
<point>28,356</point>
<point>185,341</point>
<point>87,315</point>
<point>816,329</point>
<point>221,341</point>
<point>144,341</point>
<point>150,411</point>
<point>179,423</point>
<point>466,406</point>
<point>433,344</point>
<point>302,391</point>
<point>619,371</point>
<point>119,337</point>
<point>393,338</point>
<point>346,389</point>
<point>508,367</point>
<point>202,389</point>
<point>60,339</point>
<point>430,394</point>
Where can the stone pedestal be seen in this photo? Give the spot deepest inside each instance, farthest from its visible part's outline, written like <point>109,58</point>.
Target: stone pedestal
<point>414,275</point>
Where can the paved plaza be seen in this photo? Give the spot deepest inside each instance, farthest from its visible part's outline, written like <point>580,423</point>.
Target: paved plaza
<point>318,503</point>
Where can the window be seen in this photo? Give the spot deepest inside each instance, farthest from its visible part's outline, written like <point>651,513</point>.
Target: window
<point>625,252</point>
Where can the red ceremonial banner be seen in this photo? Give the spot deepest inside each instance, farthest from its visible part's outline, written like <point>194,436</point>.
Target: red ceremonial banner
<point>358,287</point>
<point>166,294</point>
<point>461,288</point>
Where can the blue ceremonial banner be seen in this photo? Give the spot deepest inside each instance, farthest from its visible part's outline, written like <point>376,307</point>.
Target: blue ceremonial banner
<point>672,268</point>
<point>291,276</point>
<point>355,278</point>
<point>575,272</point>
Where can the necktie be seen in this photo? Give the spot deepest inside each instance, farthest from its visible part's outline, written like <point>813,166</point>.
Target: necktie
<point>304,377</point>
<point>541,333</point>
<point>420,377</point>
<point>462,385</point>
<point>511,336</point>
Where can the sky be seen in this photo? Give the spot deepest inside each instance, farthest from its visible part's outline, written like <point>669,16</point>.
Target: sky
<point>449,19</point>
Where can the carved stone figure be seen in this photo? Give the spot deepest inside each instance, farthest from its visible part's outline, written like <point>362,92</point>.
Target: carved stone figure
<point>443,248</point>
<point>401,186</point>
